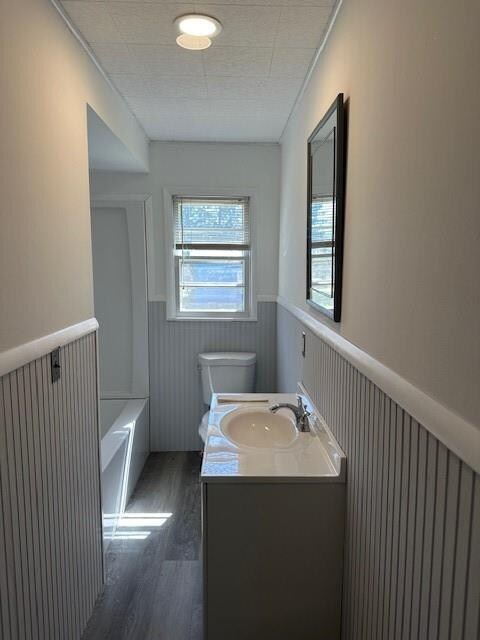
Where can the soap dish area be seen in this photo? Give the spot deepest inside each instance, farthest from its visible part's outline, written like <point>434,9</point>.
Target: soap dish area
<point>319,426</point>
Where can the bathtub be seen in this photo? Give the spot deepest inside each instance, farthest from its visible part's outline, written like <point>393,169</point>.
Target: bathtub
<point>124,426</point>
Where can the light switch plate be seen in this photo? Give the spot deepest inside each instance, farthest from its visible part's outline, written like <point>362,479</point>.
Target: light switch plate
<point>55,364</point>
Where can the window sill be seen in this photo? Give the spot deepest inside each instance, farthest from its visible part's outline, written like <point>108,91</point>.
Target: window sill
<point>210,319</point>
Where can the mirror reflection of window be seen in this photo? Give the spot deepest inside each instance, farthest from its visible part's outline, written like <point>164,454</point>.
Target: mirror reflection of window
<point>326,156</point>
<point>323,250</point>
<point>323,218</point>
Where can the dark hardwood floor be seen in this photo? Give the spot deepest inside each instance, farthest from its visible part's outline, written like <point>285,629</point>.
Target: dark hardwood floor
<point>153,585</point>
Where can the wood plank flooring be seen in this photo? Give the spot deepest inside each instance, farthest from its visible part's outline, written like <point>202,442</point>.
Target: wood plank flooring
<point>153,585</point>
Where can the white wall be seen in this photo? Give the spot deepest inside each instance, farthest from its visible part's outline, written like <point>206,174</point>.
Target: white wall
<point>113,298</point>
<point>411,297</point>
<point>47,79</point>
<point>120,288</point>
<point>205,166</point>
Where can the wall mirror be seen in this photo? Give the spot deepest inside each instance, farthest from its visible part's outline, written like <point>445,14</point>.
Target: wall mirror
<point>325,214</point>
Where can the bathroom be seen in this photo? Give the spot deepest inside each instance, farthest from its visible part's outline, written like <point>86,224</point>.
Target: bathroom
<point>239,346</point>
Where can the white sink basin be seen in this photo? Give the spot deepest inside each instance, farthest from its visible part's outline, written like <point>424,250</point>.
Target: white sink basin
<point>259,428</point>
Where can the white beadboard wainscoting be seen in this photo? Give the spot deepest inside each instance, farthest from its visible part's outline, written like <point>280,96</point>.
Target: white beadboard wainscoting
<point>412,551</point>
<point>176,404</point>
<point>51,565</point>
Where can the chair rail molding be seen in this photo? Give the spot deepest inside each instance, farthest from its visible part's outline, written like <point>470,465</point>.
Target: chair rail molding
<point>30,351</point>
<point>456,433</point>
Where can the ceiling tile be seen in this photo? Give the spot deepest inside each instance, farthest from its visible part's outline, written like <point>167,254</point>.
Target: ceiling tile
<point>290,62</point>
<point>194,88</point>
<point>219,129</point>
<point>193,108</point>
<point>93,20</point>
<point>165,60</point>
<point>236,88</point>
<point>237,61</point>
<point>194,125</point>
<point>239,3</point>
<point>273,3</point>
<point>133,85</point>
<point>302,27</point>
<point>242,3</point>
<point>146,23</point>
<point>141,106</point>
<point>248,108</point>
<point>114,58</point>
<point>244,24</point>
<point>243,88</point>
<point>280,89</point>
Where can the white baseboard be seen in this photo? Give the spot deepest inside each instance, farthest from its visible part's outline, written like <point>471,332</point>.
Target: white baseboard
<point>456,433</point>
<point>30,351</point>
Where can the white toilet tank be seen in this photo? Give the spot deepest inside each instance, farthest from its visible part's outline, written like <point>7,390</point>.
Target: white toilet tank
<point>227,372</point>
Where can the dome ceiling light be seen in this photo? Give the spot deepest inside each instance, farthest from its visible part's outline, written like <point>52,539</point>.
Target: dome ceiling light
<point>196,31</point>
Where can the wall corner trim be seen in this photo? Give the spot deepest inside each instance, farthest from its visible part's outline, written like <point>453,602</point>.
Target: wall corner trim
<point>456,433</point>
<point>25,353</point>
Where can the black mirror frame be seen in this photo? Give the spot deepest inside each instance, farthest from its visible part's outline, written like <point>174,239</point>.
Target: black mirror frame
<point>339,182</point>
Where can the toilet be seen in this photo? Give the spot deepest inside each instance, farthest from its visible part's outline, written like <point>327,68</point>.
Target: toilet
<point>227,372</point>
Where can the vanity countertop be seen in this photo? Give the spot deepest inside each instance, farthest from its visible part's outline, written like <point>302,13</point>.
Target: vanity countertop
<point>314,457</point>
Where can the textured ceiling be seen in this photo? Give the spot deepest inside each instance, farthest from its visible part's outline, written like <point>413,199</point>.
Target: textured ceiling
<point>243,88</point>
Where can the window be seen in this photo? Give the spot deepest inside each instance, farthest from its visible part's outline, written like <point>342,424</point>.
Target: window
<point>212,257</point>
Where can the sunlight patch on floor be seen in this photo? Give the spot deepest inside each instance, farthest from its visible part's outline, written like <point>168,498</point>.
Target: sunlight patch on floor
<point>139,526</point>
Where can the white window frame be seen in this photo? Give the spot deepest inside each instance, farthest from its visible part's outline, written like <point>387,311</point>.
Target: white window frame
<point>202,192</point>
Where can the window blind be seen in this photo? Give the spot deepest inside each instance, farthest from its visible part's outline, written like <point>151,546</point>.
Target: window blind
<point>322,221</point>
<point>211,223</point>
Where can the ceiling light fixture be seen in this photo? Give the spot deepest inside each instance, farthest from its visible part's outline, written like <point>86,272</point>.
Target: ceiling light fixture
<point>194,43</point>
<point>196,30</point>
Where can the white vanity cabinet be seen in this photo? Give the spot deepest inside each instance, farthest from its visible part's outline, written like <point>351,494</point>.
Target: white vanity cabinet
<point>273,560</point>
<point>272,534</point>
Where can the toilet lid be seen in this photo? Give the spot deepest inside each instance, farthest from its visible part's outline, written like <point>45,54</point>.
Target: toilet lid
<point>230,358</point>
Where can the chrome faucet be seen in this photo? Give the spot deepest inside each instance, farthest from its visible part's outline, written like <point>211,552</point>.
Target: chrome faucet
<point>300,412</point>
